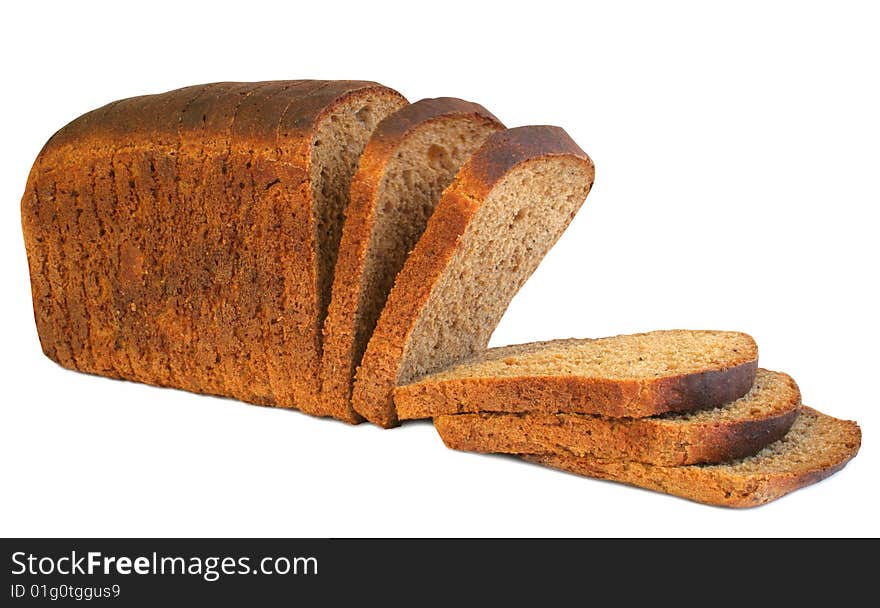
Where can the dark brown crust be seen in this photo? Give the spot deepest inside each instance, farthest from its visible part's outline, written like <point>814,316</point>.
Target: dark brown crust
<point>716,484</point>
<point>169,240</point>
<point>372,396</point>
<point>576,395</point>
<point>341,355</point>
<point>735,441</point>
<point>511,148</point>
<point>652,440</point>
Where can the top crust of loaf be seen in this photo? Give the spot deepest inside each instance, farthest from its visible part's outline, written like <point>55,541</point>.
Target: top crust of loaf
<point>500,154</point>
<point>203,276</point>
<point>621,376</point>
<point>149,116</point>
<point>342,329</point>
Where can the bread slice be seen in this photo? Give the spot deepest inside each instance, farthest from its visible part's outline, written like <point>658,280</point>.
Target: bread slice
<point>731,431</point>
<point>505,208</point>
<point>816,447</point>
<point>632,375</point>
<point>187,239</point>
<point>410,159</point>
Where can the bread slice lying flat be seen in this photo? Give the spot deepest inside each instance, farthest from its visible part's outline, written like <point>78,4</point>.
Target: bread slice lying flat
<point>632,375</point>
<point>412,156</point>
<point>187,239</point>
<point>731,431</point>
<point>816,447</point>
<point>507,206</point>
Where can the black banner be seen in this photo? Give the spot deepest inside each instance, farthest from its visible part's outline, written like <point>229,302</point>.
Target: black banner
<point>133,572</point>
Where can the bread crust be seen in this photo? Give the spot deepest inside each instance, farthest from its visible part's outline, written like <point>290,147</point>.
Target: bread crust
<point>722,484</point>
<point>170,239</point>
<point>653,440</point>
<point>340,356</point>
<point>376,377</point>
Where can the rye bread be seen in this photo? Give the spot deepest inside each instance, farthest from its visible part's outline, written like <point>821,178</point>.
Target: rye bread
<point>734,430</point>
<point>631,375</point>
<point>411,157</point>
<point>187,239</point>
<point>816,447</point>
<point>508,204</point>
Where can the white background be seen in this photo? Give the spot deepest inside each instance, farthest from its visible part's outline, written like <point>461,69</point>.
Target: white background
<point>737,154</point>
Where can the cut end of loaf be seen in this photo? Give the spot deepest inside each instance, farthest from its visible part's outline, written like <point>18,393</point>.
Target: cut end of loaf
<point>337,145</point>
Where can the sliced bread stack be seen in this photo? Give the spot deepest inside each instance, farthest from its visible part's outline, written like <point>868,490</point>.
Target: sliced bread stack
<point>327,246</point>
<point>507,206</point>
<point>688,413</point>
<point>411,157</point>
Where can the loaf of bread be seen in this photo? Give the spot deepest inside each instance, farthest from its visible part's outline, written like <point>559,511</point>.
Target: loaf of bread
<point>409,160</point>
<point>326,246</point>
<point>816,447</point>
<point>632,375</point>
<point>508,204</point>
<point>188,239</point>
<point>731,431</point>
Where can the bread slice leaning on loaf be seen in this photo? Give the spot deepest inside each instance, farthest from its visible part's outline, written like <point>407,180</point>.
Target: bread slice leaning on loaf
<point>508,204</point>
<point>187,239</point>
<point>816,447</point>
<point>631,375</point>
<point>412,156</point>
<point>734,430</point>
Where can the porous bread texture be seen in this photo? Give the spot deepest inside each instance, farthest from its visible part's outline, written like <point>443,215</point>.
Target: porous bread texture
<point>630,375</point>
<point>504,210</point>
<point>336,149</point>
<point>533,205</point>
<point>624,357</point>
<point>816,446</point>
<point>171,238</point>
<point>411,157</point>
<point>734,430</point>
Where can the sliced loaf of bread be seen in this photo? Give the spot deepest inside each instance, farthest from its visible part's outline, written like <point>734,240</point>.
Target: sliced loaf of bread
<point>412,156</point>
<point>731,431</point>
<point>508,204</point>
<point>188,238</point>
<point>631,375</point>
<point>816,447</point>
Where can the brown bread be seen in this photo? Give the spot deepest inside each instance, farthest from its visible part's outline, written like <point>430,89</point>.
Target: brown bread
<point>506,207</point>
<point>410,159</point>
<point>187,239</point>
<point>816,447</point>
<point>632,375</point>
<point>731,431</point>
